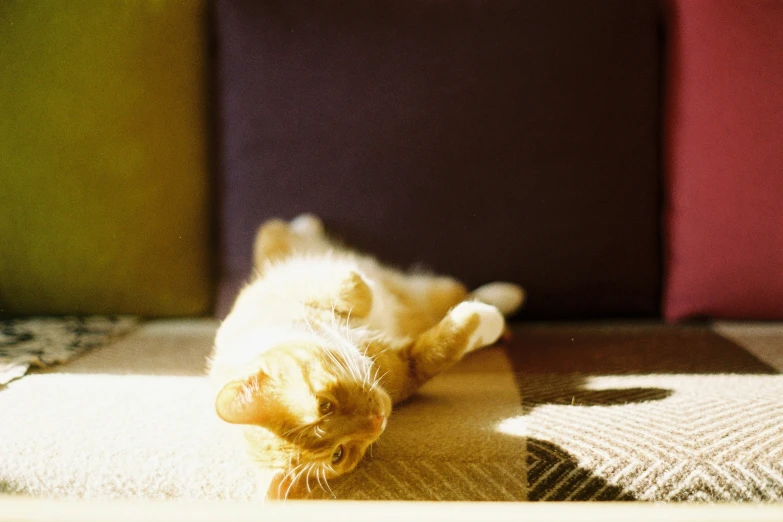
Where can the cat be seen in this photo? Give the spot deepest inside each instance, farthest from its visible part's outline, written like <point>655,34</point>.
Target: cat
<point>323,341</point>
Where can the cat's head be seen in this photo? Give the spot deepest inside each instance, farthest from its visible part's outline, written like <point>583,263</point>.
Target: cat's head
<point>324,405</point>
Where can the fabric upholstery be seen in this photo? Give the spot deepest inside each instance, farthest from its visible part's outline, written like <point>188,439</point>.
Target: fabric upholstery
<point>103,160</point>
<point>510,139</point>
<point>725,160</point>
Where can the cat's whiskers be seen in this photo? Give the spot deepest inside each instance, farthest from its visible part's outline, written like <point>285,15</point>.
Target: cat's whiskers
<point>377,380</point>
<point>336,342</point>
<point>356,365</point>
<point>307,470</point>
<point>355,361</point>
<point>345,346</point>
<point>291,472</point>
<point>289,432</point>
<point>295,479</point>
<point>366,380</point>
<point>286,433</point>
<point>297,441</point>
<point>340,364</point>
<point>374,379</point>
<point>347,363</point>
<point>326,482</point>
<point>318,478</point>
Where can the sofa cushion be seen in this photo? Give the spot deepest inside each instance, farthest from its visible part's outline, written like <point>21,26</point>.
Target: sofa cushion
<point>103,184</point>
<point>725,160</point>
<point>491,140</point>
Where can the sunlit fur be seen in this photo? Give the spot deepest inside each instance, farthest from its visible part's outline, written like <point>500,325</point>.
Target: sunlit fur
<point>322,342</point>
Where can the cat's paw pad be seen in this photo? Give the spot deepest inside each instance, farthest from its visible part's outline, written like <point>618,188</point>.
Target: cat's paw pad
<point>491,323</point>
<point>307,225</point>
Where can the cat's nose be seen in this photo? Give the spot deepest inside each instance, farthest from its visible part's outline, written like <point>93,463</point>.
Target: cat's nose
<point>378,422</point>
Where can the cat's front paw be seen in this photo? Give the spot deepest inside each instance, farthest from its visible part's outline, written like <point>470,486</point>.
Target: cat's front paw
<point>490,326</point>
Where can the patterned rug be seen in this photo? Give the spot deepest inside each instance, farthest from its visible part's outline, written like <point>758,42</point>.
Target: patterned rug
<point>644,412</point>
<point>43,341</point>
<point>563,412</point>
<point>662,414</point>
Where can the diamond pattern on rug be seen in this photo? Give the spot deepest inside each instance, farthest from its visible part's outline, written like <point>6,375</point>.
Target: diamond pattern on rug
<point>696,419</point>
<point>716,438</point>
<point>553,474</point>
<point>429,481</point>
<point>44,341</point>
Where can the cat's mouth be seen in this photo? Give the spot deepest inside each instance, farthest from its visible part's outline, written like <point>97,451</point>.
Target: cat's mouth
<point>377,424</point>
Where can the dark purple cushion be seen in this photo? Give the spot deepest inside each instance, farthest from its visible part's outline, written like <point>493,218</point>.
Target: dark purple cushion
<point>490,140</point>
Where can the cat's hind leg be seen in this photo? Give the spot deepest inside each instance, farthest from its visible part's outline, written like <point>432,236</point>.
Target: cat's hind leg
<point>506,297</point>
<point>423,299</point>
<point>468,326</point>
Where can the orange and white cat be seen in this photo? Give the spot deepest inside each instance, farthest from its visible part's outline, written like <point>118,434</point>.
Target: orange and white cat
<point>324,340</point>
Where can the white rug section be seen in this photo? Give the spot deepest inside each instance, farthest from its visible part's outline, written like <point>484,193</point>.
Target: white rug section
<point>132,420</point>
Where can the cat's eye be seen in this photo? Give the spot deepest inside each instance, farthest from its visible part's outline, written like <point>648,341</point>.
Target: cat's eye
<point>337,456</point>
<point>324,406</point>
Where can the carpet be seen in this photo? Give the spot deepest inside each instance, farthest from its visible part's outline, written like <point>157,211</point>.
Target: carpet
<point>563,412</point>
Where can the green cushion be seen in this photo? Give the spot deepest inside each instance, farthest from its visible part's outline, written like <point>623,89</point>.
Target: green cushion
<point>104,184</point>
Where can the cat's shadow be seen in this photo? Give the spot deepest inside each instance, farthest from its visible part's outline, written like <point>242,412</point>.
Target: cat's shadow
<point>561,390</point>
<point>574,390</point>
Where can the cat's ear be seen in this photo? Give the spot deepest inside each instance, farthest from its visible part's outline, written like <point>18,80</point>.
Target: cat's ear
<point>246,401</point>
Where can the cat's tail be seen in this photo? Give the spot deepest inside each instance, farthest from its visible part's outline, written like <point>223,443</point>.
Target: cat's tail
<point>506,297</point>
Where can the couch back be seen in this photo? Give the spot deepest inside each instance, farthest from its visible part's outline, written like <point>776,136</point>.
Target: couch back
<point>105,188</point>
<point>507,140</point>
<point>551,143</point>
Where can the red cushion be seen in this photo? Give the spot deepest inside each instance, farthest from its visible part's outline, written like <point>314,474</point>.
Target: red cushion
<point>724,154</point>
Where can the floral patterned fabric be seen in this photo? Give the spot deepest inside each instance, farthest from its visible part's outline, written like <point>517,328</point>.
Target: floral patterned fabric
<point>43,341</point>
